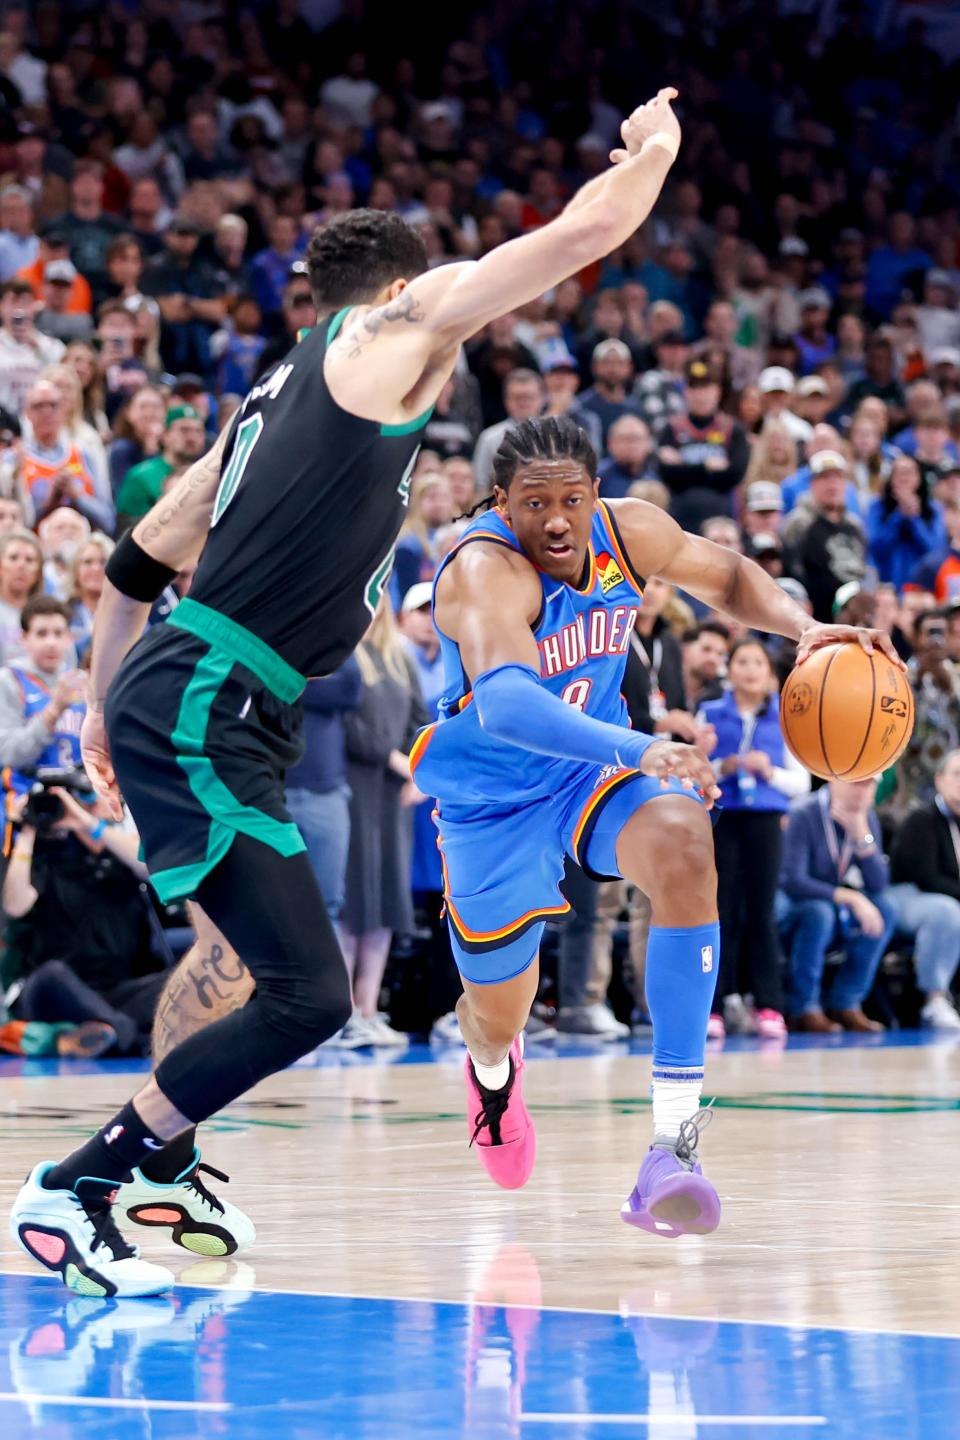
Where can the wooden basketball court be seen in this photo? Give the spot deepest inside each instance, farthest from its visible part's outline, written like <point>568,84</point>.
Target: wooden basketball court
<point>394,1291</point>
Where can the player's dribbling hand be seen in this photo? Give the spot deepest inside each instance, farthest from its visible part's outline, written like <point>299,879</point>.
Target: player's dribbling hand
<point>95,753</point>
<point>669,760</point>
<point>653,118</point>
<point>871,640</point>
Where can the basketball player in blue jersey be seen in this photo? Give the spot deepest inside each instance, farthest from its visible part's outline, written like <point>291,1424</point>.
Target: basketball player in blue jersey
<point>294,516</point>
<point>533,759</point>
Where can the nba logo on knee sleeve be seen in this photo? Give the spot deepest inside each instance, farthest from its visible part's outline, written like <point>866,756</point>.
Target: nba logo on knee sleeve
<point>706,958</point>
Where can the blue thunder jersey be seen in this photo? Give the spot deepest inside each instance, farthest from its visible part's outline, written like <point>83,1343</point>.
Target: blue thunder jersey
<point>63,751</point>
<point>583,635</point>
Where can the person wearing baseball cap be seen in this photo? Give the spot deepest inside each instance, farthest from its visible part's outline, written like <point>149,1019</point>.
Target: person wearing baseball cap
<point>55,317</point>
<point>609,396</point>
<point>813,400</point>
<point>184,440</point>
<point>703,453</point>
<point>777,385</point>
<point>763,508</point>
<point>826,539</point>
<point>814,340</point>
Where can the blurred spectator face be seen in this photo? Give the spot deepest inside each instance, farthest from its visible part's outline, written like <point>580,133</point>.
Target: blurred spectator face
<point>612,369</point>
<point>705,658</point>
<point>654,492</point>
<point>721,530</point>
<point>91,568</point>
<point>492,232</point>
<point>17,309</point>
<point>750,408</point>
<point>630,443</point>
<point>562,384</point>
<point>864,438</point>
<point>382,195</point>
<point>930,637</point>
<point>876,409</point>
<point>813,399</point>
<point>146,202</point>
<point>182,244</point>
<point>19,568</point>
<point>672,353</point>
<point>702,400</point>
<point>47,641</point>
<point>83,361</point>
<point>56,295</point>
<point>62,532</point>
<point>905,478</point>
<point>824,437</point>
<point>230,240</point>
<point>947,488</point>
<point>850,334</point>
<point>125,266</point>
<point>914,604</point>
<point>922,396</point>
<point>16,212</point>
<point>932,435</point>
<point>664,318</point>
<point>145,412</point>
<point>523,398</point>
<point>11,515</point>
<point>749,671</point>
<point>417,625</point>
<point>184,440</point>
<point>608,313</point>
<point>902,230</point>
<point>948,781</point>
<point>45,411</point>
<point>828,491</point>
<point>880,360</point>
<point>246,317</point>
<point>860,609</point>
<point>463,487</point>
<point>721,324</point>
<point>116,335</point>
<point>299,311</point>
<point>202,132</point>
<point>885,608</point>
<point>567,299</point>
<point>436,501</point>
<point>656,593</point>
<point>86,189</point>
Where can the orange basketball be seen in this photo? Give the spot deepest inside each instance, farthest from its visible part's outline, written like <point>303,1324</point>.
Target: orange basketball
<point>845,714</point>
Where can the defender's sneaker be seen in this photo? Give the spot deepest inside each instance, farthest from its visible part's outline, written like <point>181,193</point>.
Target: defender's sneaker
<point>672,1195</point>
<point>500,1126</point>
<point>198,1220</point>
<point>77,1237</point>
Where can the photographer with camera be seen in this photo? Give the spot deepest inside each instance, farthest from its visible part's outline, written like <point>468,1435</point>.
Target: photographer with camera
<point>23,350</point>
<point>41,701</point>
<point>79,938</point>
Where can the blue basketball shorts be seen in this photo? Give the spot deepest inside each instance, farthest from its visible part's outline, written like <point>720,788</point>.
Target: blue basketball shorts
<point>502,867</point>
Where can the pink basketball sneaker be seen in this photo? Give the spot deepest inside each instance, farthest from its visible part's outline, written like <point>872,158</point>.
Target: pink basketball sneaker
<point>500,1126</point>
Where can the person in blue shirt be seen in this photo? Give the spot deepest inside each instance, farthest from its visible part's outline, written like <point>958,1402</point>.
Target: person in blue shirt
<point>630,457</point>
<point>758,779</point>
<point>891,267</point>
<point>834,894</point>
<point>240,362</point>
<point>270,268</point>
<point>904,524</point>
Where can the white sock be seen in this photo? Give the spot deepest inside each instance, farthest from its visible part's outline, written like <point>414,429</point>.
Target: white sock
<point>492,1077</point>
<point>673,1102</point>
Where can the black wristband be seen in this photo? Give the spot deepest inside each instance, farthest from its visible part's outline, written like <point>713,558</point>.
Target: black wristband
<point>135,573</point>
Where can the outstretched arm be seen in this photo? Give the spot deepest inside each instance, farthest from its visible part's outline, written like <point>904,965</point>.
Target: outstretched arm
<point>729,582</point>
<point>487,602</point>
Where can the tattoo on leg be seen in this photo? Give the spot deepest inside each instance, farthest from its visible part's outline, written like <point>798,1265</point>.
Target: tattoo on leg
<point>206,985</point>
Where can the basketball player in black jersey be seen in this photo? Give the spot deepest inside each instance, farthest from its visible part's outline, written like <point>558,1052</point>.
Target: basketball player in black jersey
<point>294,515</point>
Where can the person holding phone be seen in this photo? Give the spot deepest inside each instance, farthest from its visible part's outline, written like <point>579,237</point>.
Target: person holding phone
<point>24,352</point>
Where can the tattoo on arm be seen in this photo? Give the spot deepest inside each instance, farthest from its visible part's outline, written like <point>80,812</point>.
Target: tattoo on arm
<point>405,308</point>
<point>167,510</point>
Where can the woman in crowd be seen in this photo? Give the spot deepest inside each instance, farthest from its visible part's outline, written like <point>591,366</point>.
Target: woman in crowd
<point>431,506</point>
<point>774,455</point>
<point>137,432</point>
<point>80,432</point>
<point>378,899</point>
<point>758,778</point>
<point>21,576</point>
<point>86,576</point>
<point>904,524</point>
<point>83,359</point>
<point>870,463</point>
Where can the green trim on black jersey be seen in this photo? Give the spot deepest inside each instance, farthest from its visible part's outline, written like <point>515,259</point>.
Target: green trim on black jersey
<point>241,646</point>
<point>333,330</point>
<point>410,426</point>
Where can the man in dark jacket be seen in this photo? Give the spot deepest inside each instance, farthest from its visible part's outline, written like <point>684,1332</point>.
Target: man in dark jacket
<point>925,869</point>
<point>703,453</point>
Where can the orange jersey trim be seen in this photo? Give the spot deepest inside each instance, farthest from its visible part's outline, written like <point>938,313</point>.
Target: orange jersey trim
<point>596,799</point>
<point>617,549</point>
<point>420,746</point>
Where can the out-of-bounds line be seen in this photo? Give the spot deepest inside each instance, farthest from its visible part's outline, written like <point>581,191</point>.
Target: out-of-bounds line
<point>114,1402</point>
<point>673,1418</point>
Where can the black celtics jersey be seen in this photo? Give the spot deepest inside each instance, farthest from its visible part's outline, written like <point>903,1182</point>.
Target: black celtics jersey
<point>306,518</point>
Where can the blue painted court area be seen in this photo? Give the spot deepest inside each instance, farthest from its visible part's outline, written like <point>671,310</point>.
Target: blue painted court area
<point>243,1365</point>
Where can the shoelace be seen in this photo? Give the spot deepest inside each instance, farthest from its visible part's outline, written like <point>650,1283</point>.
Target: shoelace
<point>689,1136</point>
<point>195,1183</point>
<point>105,1230</point>
<point>493,1109</point>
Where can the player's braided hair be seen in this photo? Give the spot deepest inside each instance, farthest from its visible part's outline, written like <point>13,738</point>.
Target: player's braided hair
<point>550,437</point>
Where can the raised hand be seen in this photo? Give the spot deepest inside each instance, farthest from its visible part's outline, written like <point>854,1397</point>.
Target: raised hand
<point>654,118</point>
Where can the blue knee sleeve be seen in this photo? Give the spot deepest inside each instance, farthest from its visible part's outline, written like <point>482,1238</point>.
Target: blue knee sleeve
<point>682,968</point>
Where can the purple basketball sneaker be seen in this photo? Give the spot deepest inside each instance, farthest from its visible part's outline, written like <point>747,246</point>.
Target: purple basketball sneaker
<point>672,1195</point>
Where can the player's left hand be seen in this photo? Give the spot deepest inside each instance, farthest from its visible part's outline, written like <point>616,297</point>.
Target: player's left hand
<point>95,753</point>
<point>871,640</point>
<point>667,760</point>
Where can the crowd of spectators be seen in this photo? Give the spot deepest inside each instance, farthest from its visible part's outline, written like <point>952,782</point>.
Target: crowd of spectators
<point>774,356</point>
